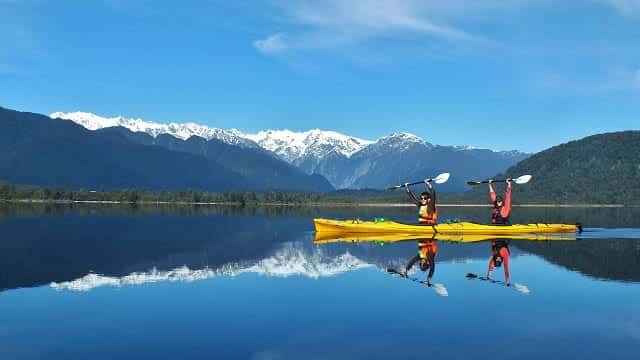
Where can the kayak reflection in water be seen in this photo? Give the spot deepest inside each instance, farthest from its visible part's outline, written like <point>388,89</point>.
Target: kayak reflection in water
<point>427,211</point>
<point>499,258</point>
<point>501,205</point>
<point>427,250</point>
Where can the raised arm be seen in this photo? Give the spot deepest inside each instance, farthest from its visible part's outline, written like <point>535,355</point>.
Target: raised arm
<point>492,192</point>
<point>506,209</point>
<point>432,269</point>
<point>432,191</point>
<point>412,195</point>
<point>411,263</point>
<point>492,265</point>
<point>505,264</point>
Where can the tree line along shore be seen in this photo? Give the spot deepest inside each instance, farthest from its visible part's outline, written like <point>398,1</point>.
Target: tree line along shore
<point>13,193</point>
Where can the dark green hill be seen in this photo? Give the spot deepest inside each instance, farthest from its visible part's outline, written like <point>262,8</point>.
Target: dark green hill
<point>37,150</point>
<point>599,169</point>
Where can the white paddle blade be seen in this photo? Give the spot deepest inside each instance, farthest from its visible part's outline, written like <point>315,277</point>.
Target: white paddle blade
<point>442,178</point>
<point>440,289</point>
<point>522,289</point>
<point>523,179</point>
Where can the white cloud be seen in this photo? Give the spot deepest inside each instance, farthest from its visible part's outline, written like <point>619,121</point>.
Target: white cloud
<point>325,24</point>
<point>273,44</point>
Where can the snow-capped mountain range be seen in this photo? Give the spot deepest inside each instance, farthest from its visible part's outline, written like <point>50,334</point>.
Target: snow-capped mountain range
<point>179,130</point>
<point>291,260</point>
<point>289,145</point>
<point>346,161</point>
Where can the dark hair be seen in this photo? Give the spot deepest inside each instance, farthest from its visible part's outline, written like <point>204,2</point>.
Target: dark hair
<point>424,265</point>
<point>497,262</point>
<point>426,195</point>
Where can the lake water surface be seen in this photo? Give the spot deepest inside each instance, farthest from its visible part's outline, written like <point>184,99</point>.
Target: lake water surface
<point>110,282</point>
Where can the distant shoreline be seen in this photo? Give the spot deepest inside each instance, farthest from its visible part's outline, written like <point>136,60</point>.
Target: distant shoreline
<point>321,204</point>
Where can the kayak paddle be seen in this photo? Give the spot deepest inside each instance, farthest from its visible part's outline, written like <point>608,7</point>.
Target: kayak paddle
<point>522,289</point>
<point>439,289</point>
<point>520,181</point>
<point>440,179</point>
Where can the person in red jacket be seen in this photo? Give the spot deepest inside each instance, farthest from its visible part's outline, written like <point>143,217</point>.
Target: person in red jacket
<point>427,251</point>
<point>501,205</point>
<point>427,211</point>
<point>499,258</point>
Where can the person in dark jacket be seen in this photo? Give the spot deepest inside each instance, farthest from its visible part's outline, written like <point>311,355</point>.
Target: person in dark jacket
<point>501,205</point>
<point>500,254</point>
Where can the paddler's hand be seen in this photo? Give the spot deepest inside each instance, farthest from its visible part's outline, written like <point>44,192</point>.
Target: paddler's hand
<point>490,181</point>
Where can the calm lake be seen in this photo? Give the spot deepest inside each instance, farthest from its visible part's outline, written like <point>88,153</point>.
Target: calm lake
<point>115,282</point>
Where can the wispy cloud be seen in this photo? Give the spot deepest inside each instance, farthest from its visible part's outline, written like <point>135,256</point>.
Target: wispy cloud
<point>325,24</point>
<point>625,7</point>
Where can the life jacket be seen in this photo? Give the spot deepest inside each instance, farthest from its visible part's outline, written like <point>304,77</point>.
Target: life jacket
<point>424,248</point>
<point>425,217</point>
<point>496,217</point>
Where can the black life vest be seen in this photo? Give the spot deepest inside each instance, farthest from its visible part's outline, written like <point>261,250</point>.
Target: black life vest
<point>496,246</point>
<point>496,217</point>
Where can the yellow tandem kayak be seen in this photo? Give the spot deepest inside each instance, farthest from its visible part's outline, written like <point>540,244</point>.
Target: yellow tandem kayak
<point>331,237</point>
<point>381,227</point>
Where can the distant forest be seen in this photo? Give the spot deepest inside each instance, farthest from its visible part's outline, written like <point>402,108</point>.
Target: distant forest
<point>10,192</point>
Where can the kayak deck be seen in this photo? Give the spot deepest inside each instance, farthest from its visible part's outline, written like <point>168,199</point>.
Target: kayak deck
<point>378,227</point>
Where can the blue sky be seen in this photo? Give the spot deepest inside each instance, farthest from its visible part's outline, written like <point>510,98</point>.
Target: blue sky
<point>518,74</point>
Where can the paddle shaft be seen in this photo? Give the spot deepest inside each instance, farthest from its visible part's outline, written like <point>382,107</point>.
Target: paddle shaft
<point>405,185</point>
<point>486,182</point>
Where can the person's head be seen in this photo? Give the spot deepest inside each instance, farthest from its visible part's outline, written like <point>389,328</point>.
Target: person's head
<point>497,261</point>
<point>424,265</point>
<point>499,201</point>
<point>425,198</point>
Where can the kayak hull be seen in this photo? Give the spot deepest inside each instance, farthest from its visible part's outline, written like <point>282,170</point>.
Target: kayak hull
<point>381,227</point>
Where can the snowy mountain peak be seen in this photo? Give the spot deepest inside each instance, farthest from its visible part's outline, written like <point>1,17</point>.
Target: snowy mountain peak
<point>295,146</point>
<point>401,141</point>
<point>179,130</point>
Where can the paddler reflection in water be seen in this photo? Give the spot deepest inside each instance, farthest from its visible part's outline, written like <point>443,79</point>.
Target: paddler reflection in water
<point>427,211</point>
<point>501,205</point>
<point>499,258</point>
<point>427,250</point>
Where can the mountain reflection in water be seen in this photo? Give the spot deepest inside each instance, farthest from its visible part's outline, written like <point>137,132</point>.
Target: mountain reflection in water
<point>81,247</point>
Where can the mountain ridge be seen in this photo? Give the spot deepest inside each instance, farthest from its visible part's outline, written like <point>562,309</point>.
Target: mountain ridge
<point>346,161</point>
